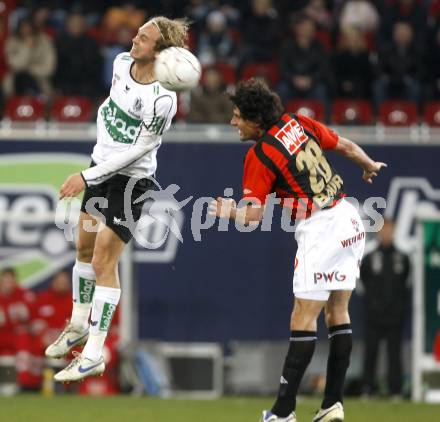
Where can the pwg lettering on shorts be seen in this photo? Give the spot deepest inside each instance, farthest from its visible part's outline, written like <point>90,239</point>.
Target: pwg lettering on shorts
<point>328,277</point>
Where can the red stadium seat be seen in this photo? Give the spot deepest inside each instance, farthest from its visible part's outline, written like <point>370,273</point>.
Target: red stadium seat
<point>182,107</point>
<point>325,39</point>
<point>266,70</point>
<point>398,113</point>
<point>24,109</point>
<point>71,109</point>
<point>226,70</point>
<point>228,73</point>
<point>309,108</point>
<point>431,114</point>
<point>351,112</point>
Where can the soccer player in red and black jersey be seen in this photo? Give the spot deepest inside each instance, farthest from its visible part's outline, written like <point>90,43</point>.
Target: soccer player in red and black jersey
<point>288,159</point>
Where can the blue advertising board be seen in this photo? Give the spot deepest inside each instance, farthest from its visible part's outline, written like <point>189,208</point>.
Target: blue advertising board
<point>226,284</point>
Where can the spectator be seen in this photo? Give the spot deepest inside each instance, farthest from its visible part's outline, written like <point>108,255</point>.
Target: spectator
<point>209,104</point>
<point>352,66</point>
<point>127,14</point>
<point>31,58</point>
<point>411,11</point>
<point>123,43</point>
<point>384,275</point>
<point>360,14</point>
<point>304,63</point>
<point>260,33</point>
<point>215,42</point>
<point>317,10</point>
<point>400,67</point>
<point>432,64</point>
<point>15,312</point>
<point>197,11</point>
<point>78,73</point>
<point>52,309</point>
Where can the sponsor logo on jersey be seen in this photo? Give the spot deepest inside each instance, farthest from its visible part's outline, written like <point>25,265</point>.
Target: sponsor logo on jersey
<point>351,240</point>
<point>292,136</point>
<point>137,108</point>
<point>120,126</point>
<point>328,277</point>
<point>355,224</point>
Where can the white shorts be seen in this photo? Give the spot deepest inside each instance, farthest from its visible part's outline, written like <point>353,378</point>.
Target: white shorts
<point>330,248</point>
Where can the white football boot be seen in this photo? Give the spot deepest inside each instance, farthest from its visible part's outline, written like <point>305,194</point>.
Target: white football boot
<point>268,416</point>
<point>80,368</point>
<point>334,413</point>
<point>67,340</point>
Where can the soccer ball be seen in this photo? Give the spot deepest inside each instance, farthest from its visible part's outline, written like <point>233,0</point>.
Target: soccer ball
<point>177,69</point>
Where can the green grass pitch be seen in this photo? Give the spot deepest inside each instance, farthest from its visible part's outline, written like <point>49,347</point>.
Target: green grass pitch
<point>34,408</point>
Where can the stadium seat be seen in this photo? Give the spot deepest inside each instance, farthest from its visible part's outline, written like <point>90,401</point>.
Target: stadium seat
<point>228,73</point>
<point>24,109</point>
<point>351,112</point>
<point>183,104</point>
<point>71,109</point>
<point>398,113</point>
<point>431,114</point>
<point>325,39</point>
<point>266,70</point>
<point>309,108</point>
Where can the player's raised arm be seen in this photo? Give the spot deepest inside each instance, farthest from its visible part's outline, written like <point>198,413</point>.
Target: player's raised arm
<point>356,154</point>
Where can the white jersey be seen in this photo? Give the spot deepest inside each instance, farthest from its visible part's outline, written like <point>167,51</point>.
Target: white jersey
<point>130,125</point>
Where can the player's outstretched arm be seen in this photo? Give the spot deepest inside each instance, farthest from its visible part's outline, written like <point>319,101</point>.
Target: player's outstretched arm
<point>356,154</point>
<point>227,208</point>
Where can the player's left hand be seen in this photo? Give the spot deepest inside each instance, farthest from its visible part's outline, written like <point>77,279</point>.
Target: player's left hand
<point>73,185</point>
<point>222,207</point>
<point>372,171</point>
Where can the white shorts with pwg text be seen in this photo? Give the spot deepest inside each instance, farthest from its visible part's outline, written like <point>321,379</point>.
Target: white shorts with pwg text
<point>330,248</point>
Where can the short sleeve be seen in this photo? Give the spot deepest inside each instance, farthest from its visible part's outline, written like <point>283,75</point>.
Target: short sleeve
<point>326,136</point>
<point>158,119</point>
<point>258,180</point>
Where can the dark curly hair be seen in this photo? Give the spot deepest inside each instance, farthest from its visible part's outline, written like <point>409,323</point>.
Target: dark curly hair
<point>257,102</point>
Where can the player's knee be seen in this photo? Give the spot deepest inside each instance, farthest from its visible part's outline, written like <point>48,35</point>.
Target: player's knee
<point>102,266</point>
<point>336,316</point>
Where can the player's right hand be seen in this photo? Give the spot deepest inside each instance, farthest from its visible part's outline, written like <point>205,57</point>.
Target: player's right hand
<point>222,207</point>
<point>372,171</point>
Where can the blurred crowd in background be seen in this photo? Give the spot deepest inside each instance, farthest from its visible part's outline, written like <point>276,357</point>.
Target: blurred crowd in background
<point>316,49</point>
<point>31,320</point>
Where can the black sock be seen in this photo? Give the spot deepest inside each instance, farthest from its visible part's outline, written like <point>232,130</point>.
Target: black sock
<point>301,348</point>
<point>337,364</point>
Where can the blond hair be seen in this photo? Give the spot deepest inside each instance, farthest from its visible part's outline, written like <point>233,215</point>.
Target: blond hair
<point>174,32</point>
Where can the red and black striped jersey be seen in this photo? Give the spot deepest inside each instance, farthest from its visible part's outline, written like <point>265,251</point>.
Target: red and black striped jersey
<point>289,160</point>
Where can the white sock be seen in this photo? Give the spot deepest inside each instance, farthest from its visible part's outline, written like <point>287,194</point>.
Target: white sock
<point>83,286</point>
<point>105,301</point>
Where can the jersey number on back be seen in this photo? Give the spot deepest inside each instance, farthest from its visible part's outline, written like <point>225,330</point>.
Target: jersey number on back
<point>312,159</point>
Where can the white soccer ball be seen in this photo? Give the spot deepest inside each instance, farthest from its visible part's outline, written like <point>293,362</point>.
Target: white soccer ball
<point>177,69</point>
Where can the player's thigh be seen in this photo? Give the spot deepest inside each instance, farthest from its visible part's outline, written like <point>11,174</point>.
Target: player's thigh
<point>87,231</point>
<point>305,313</point>
<point>107,251</point>
<point>336,309</point>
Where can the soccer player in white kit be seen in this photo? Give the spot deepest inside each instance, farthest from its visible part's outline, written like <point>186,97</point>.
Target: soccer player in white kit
<point>288,158</point>
<point>130,125</point>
